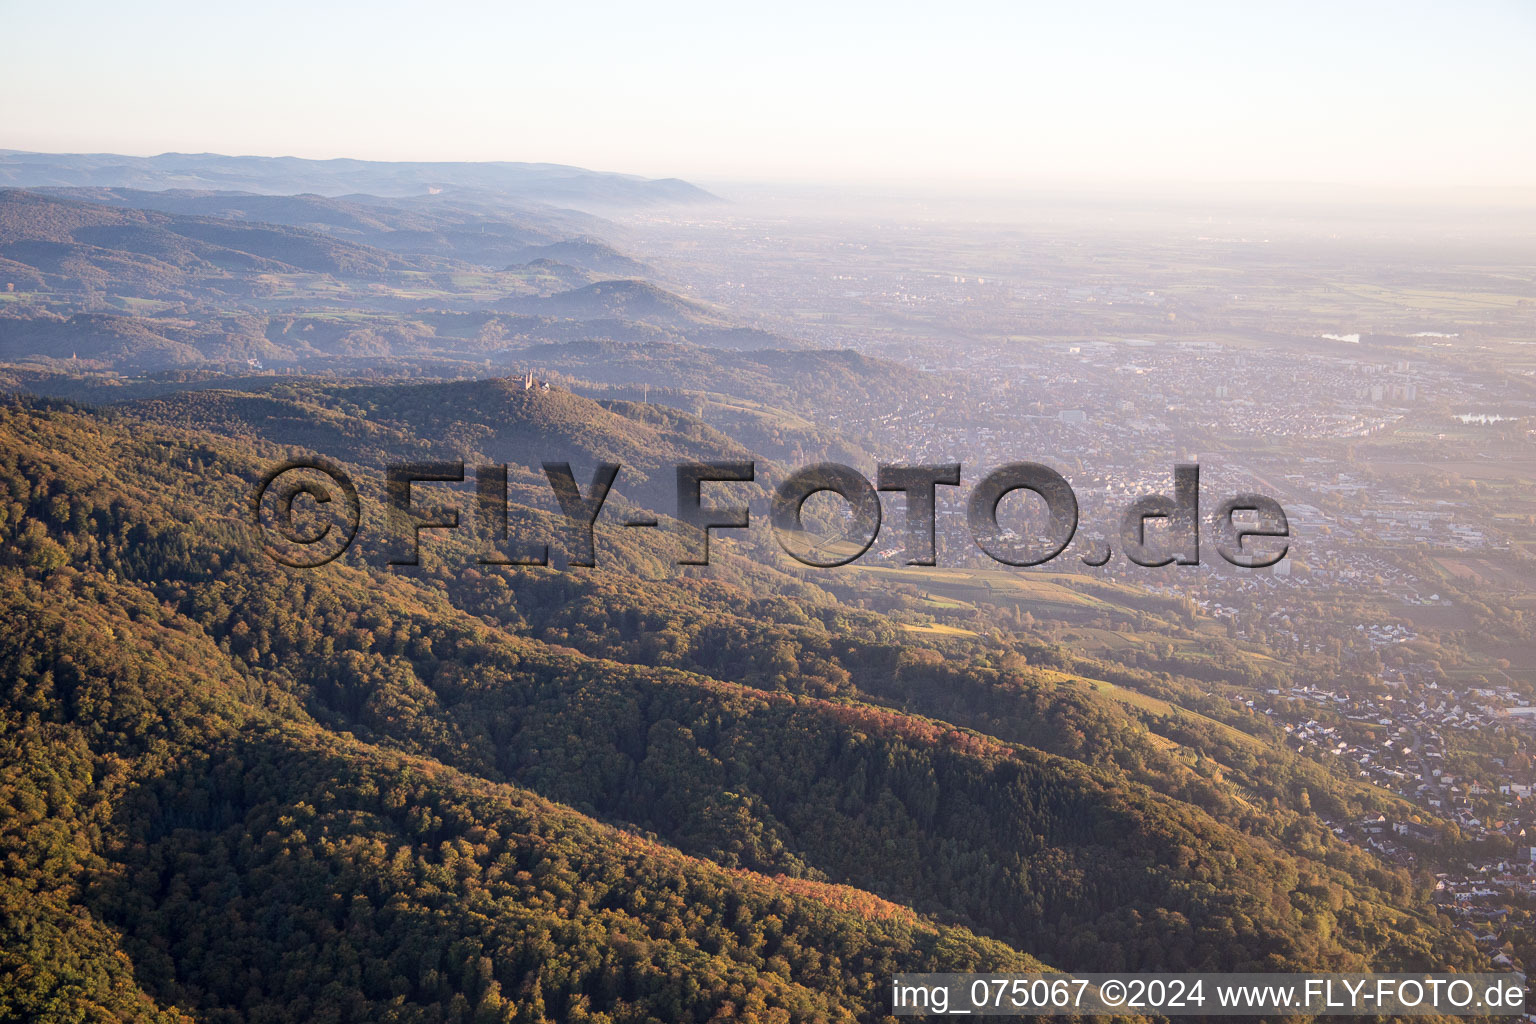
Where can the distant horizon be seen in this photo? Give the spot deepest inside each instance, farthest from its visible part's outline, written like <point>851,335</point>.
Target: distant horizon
<point>978,189</point>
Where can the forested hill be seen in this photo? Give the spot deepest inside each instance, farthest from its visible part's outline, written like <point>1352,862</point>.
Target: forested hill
<point>184,839</point>
<point>495,420</point>
<point>121,280</point>
<point>58,243</point>
<point>549,183</point>
<point>438,225</point>
<point>238,792</point>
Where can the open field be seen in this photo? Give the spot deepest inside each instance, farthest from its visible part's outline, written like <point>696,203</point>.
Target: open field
<point>1033,592</point>
<point>937,629</point>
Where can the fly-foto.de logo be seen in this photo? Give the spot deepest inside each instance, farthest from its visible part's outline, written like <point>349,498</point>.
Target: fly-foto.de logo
<point>309,513</point>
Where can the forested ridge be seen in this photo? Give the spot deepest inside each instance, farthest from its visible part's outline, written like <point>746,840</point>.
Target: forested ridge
<point>239,792</point>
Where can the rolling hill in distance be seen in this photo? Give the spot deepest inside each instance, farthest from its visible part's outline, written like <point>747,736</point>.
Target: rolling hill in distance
<point>442,225</point>
<point>547,183</point>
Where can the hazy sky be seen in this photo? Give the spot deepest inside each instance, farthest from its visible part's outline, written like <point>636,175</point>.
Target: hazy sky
<point>1398,93</point>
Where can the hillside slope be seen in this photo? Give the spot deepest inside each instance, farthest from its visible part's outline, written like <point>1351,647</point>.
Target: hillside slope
<point>739,725</point>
